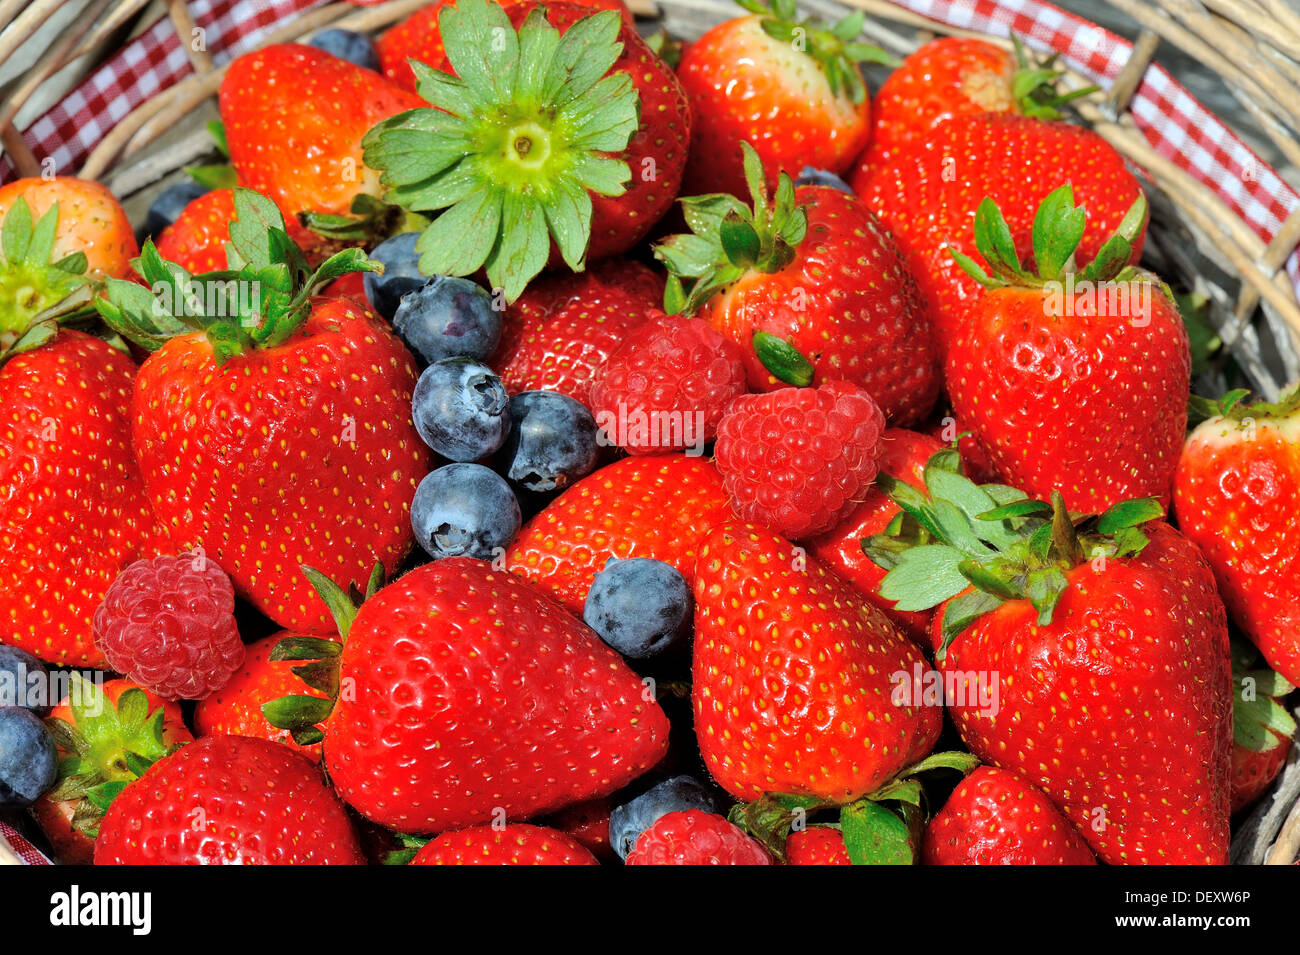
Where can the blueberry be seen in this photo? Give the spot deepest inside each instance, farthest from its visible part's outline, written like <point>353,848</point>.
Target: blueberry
<point>677,794</point>
<point>640,607</point>
<point>401,273</point>
<point>552,441</point>
<point>812,176</point>
<point>464,510</point>
<point>448,317</point>
<point>24,681</point>
<point>460,409</point>
<point>348,45</point>
<point>29,760</point>
<point>164,210</point>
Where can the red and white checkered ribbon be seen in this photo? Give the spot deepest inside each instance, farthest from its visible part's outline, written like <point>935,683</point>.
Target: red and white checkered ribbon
<point>19,847</point>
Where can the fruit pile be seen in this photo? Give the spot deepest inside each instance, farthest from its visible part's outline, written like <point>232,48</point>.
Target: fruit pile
<point>530,443</point>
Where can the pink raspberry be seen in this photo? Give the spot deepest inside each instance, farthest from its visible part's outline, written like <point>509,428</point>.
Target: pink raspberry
<point>799,459</point>
<point>695,837</point>
<point>667,385</point>
<point>169,624</point>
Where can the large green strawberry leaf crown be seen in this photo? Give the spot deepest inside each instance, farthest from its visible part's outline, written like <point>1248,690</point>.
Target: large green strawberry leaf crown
<point>835,47</point>
<point>972,547</point>
<point>513,145</point>
<point>107,746</point>
<point>259,301</point>
<point>1034,85</point>
<point>1260,723</point>
<point>1234,407</point>
<point>318,659</point>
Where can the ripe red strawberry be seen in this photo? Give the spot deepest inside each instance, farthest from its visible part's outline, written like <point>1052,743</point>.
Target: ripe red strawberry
<point>793,675</point>
<point>514,844</point>
<point>228,800</point>
<point>197,239</point>
<point>1235,494</point>
<point>903,456</point>
<point>90,221</point>
<point>275,442</point>
<point>563,327</point>
<point>236,709</point>
<point>657,507</point>
<point>816,845</point>
<point>587,823</point>
<point>294,118</point>
<point>1262,728</point>
<point>928,194</point>
<point>789,88</point>
<point>695,837</point>
<point>612,142</point>
<point>1084,388</point>
<point>1105,641</point>
<point>811,287</point>
<point>104,741</point>
<point>995,817</point>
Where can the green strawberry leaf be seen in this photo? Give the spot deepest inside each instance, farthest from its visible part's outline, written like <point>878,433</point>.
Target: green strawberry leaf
<point>875,835</point>
<point>782,359</point>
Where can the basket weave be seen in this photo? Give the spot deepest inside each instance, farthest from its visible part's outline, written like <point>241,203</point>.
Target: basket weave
<point>1196,237</point>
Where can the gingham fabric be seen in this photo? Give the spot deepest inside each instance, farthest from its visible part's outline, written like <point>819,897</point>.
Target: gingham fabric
<point>14,849</point>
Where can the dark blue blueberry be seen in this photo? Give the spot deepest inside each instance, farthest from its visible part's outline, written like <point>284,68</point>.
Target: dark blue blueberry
<point>448,317</point>
<point>677,794</point>
<point>812,176</point>
<point>24,681</point>
<point>639,606</point>
<point>461,409</point>
<point>552,441</point>
<point>166,207</point>
<point>464,510</point>
<point>401,273</point>
<point>348,45</point>
<point>29,760</point>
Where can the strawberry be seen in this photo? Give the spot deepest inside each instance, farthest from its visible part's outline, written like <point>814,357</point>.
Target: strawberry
<point>789,88</point>
<point>816,845</point>
<point>1106,343</point>
<point>793,674</point>
<point>903,456</point>
<point>927,196</point>
<point>108,735</point>
<point>995,817</point>
<point>589,159</point>
<point>1099,638</point>
<point>1237,482</point>
<point>695,837</point>
<point>197,239</point>
<point>811,287</point>
<point>1262,728</point>
<point>563,327</point>
<point>89,221</point>
<point>279,433</point>
<point>587,823</point>
<point>514,844</point>
<point>974,459</point>
<point>228,800</point>
<point>462,693</point>
<point>656,506</point>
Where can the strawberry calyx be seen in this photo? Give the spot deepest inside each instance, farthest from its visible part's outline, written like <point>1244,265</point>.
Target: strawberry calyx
<point>973,547</point>
<point>1260,723</point>
<point>835,46</point>
<point>729,239</point>
<point>36,292</point>
<point>1233,407</point>
<point>1033,85</point>
<point>108,746</point>
<point>220,175</point>
<point>514,145</point>
<point>259,301</point>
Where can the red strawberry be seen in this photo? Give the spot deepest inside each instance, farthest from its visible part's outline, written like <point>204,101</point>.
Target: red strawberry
<point>657,507</point>
<point>612,142</point>
<point>515,844</point>
<point>793,675</point>
<point>816,845</point>
<point>1106,343</point>
<point>995,817</point>
<point>563,327</point>
<point>903,456</point>
<point>927,197</point>
<point>90,221</point>
<point>197,239</point>
<point>812,288</point>
<point>790,89</point>
<point>1235,495</point>
<point>695,837</point>
<point>1262,728</point>
<point>1105,641</point>
<point>587,823</point>
<point>269,444</point>
<point>228,800</point>
<point>974,459</point>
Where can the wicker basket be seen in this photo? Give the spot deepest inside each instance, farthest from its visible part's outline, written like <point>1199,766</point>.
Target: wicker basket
<point>1224,224</point>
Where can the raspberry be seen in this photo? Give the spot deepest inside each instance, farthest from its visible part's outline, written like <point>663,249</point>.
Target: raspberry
<point>168,624</point>
<point>667,385</point>
<point>799,459</point>
<point>694,837</point>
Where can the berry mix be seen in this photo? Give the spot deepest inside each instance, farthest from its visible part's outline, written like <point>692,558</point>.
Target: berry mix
<point>531,444</point>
